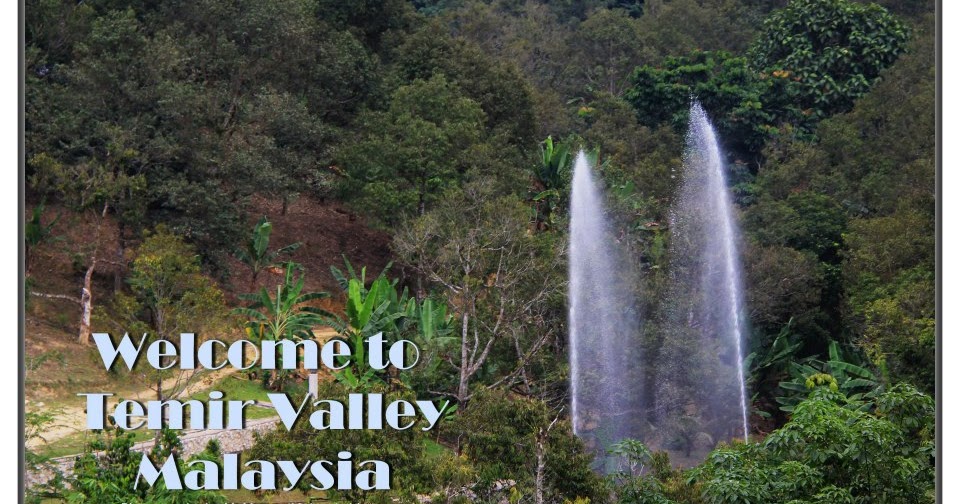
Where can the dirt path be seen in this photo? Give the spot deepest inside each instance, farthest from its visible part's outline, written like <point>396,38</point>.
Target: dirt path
<point>72,419</point>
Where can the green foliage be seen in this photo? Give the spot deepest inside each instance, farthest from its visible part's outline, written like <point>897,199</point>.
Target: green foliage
<point>411,154</point>
<point>830,452</point>
<point>730,91</point>
<point>784,285</point>
<point>804,234</point>
<point>811,61</point>
<point>384,308</point>
<point>255,108</point>
<point>177,112</point>
<point>497,87</point>
<point>831,50</point>
<point>838,373</point>
<point>552,177</point>
<point>872,166</point>
<point>372,20</point>
<point>106,473</point>
<point>286,316</point>
<point>403,450</point>
<point>633,456</point>
<point>35,423</point>
<point>805,221</point>
<point>499,435</point>
<point>169,293</point>
<point>779,353</point>
<point>477,250</point>
<point>551,181</point>
<point>609,44</point>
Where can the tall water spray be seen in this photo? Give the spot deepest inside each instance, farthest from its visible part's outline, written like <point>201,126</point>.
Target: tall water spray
<point>708,306</point>
<point>604,349</point>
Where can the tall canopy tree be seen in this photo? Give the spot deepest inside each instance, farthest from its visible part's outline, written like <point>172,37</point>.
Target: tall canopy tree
<point>831,50</point>
<point>407,156</point>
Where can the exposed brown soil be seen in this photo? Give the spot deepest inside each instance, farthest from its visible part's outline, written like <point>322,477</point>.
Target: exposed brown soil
<point>58,367</point>
<point>327,232</point>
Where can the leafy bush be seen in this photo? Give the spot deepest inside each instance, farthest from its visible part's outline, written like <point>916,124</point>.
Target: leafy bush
<point>829,452</point>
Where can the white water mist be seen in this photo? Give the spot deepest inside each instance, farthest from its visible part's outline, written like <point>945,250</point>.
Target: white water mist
<point>708,274</point>
<point>604,349</point>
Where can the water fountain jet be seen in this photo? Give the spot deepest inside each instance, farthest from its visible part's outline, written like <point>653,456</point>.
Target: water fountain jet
<point>707,280</point>
<point>604,329</point>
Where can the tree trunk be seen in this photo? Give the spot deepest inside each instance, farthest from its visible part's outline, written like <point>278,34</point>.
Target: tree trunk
<point>541,465</point>
<point>118,256</point>
<point>464,360</point>
<point>542,460</point>
<point>86,305</point>
<point>86,295</point>
<point>163,411</point>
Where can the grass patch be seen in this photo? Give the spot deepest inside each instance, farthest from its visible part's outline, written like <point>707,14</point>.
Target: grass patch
<point>75,444</point>
<point>237,387</point>
<point>433,449</point>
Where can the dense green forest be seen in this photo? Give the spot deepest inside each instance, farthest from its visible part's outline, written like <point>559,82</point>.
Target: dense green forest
<point>449,127</point>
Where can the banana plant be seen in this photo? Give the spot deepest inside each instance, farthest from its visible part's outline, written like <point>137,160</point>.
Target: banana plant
<point>383,308</point>
<point>555,161</point>
<point>256,253</point>
<point>857,382</point>
<point>550,178</point>
<point>780,352</point>
<point>284,316</point>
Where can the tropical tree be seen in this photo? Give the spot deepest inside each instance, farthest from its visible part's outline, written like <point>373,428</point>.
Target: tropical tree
<point>551,178</point>
<point>285,316</point>
<point>384,308</point>
<point>169,296</point>
<point>409,155</point>
<point>93,188</point>
<point>524,439</point>
<point>730,91</point>
<point>608,45</point>
<point>256,253</point>
<point>831,452</point>
<point>828,52</point>
<point>476,250</point>
<point>496,86</point>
